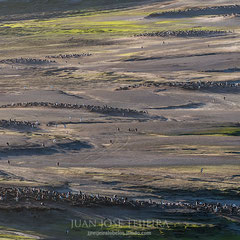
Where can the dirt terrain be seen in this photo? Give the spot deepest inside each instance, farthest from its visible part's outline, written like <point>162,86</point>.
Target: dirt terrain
<point>137,99</point>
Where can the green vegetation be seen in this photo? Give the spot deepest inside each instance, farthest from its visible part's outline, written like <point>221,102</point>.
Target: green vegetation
<point>10,233</point>
<point>223,131</point>
<point>94,24</point>
<point>72,26</point>
<point>15,237</point>
<point>153,230</point>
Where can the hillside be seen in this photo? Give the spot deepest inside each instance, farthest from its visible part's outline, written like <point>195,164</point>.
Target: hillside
<point>29,8</point>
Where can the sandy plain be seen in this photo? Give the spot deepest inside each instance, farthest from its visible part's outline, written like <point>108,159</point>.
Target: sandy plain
<point>158,154</point>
